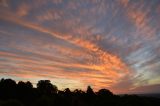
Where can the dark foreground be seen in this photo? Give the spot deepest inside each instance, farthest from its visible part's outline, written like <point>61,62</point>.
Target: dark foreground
<point>46,94</point>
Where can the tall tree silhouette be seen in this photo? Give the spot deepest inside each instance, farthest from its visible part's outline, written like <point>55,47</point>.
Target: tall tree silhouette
<point>90,96</point>
<point>90,91</point>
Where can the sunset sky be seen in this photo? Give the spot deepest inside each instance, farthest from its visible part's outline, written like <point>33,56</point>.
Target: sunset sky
<point>112,44</point>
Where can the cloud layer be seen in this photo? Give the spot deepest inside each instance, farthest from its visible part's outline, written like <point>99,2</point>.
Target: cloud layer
<point>105,44</point>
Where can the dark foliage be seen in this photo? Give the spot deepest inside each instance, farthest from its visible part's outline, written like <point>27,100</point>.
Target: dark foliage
<point>46,94</point>
<point>45,87</point>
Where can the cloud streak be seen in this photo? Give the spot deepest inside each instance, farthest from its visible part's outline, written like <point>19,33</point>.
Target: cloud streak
<point>90,43</point>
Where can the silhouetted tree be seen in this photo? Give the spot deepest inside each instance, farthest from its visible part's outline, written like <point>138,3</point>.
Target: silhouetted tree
<point>23,94</point>
<point>46,87</point>
<point>78,92</point>
<point>24,85</point>
<point>67,90</point>
<point>90,96</point>
<point>90,91</point>
<point>104,92</point>
<point>7,88</point>
<point>25,88</point>
<point>29,84</point>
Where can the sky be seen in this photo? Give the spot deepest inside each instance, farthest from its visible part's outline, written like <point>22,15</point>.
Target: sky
<point>111,44</point>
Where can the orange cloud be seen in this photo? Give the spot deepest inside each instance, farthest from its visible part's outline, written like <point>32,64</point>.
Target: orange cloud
<point>106,64</point>
<point>124,2</point>
<point>141,20</point>
<point>23,10</point>
<point>49,15</point>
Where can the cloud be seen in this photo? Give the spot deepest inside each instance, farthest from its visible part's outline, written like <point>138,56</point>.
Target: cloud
<point>99,43</point>
<point>146,89</point>
<point>49,15</point>
<point>4,3</point>
<point>23,10</point>
<point>124,2</point>
<point>141,19</point>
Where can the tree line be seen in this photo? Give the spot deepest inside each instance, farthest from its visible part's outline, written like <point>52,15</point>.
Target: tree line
<point>47,94</point>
